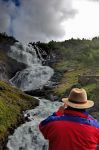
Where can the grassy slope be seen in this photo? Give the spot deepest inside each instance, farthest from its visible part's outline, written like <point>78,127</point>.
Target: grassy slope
<point>76,56</point>
<point>12,103</point>
<point>70,78</point>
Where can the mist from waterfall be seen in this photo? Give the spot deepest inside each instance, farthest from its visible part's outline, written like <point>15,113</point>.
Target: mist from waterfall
<point>35,76</point>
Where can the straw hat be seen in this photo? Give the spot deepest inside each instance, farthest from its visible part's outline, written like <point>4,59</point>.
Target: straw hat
<point>78,99</point>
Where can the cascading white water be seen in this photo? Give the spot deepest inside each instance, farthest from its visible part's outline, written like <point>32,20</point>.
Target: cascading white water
<point>35,76</point>
<point>28,136</point>
<point>32,78</point>
<point>24,53</point>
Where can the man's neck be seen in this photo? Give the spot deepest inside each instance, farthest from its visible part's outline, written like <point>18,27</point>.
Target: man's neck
<point>74,109</point>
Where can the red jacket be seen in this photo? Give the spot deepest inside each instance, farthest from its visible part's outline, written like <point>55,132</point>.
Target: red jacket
<point>71,131</point>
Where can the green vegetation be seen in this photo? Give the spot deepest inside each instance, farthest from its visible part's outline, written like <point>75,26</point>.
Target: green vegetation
<point>12,103</point>
<point>73,57</point>
<point>93,94</point>
<point>74,51</point>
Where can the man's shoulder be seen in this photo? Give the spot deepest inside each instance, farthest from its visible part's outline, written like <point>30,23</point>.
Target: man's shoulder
<point>76,119</point>
<point>51,118</point>
<point>93,121</point>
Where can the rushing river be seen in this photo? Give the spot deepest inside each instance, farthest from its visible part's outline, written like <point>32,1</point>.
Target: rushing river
<point>28,136</point>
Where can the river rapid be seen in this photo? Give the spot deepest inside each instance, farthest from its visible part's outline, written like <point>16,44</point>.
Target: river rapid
<point>28,136</point>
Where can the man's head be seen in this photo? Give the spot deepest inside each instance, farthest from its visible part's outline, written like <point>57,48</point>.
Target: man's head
<point>78,99</point>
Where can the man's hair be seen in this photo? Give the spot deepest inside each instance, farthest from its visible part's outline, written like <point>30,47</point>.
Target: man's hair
<point>76,109</point>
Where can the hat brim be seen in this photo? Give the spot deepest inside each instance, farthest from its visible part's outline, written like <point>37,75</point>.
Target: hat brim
<point>88,104</point>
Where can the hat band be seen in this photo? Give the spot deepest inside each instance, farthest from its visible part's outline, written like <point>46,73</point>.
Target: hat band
<point>77,102</point>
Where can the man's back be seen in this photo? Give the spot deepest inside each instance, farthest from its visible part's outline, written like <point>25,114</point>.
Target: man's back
<point>72,131</point>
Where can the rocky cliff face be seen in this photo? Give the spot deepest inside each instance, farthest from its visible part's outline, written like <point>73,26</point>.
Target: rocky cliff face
<point>8,66</point>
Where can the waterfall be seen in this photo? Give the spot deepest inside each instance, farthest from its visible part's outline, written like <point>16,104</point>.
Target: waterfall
<point>35,76</point>
<point>28,136</point>
<point>24,53</point>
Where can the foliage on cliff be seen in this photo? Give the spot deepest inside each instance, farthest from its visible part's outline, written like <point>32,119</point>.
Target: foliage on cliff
<point>74,51</point>
<point>5,39</point>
